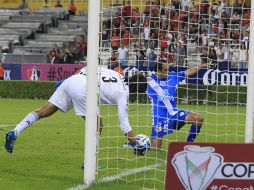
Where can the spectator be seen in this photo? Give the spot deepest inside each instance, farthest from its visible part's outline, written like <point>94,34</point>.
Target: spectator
<point>217,14</point>
<point>56,49</point>
<point>135,31</point>
<point>212,7</point>
<point>235,35</point>
<point>123,55</point>
<point>126,38</point>
<point>216,28</point>
<point>79,50</point>
<point>204,56</point>
<point>152,57</point>
<point>115,41</point>
<point>227,55</point>
<point>164,41</point>
<point>220,54</point>
<point>147,9</point>
<point>58,4</point>
<point>146,36</point>
<point>127,10</point>
<point>204,7</point>
<point>105,36</point>
<point>162,9</point>
<point>170,41</point>
<point>243,57</point>
<point>184,4</point>
<point>212,56</point>
<point>136,15</point>
<point>1,70</point>
<point>245,39</point>
<point>176,5</point>
<point>235,19</point>
<point>113,61</point>
<point>180,54</point>
<point>68,56</point>
<point>53,57</point>
<point>140,56</point>
<point>45,4</point>
<point>23,5</point>
<point>154,39</point>
<point>236,6</point>
<point>117,18</point>
<point>246,19</point>
<point>175,22</point>
<point>235,58</point>
<point>72,8</point>
<point>204,40</point>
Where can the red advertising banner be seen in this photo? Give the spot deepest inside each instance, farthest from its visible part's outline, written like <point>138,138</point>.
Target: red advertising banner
<point>210,166</point>
<point>48,72</point>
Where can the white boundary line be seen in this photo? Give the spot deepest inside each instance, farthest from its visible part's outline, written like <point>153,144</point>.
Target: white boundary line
<point>115,177</point>
<point>7,125</point>
<point>11,125</point>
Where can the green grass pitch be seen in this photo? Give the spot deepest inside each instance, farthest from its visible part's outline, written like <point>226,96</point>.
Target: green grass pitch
<point>49,154</point>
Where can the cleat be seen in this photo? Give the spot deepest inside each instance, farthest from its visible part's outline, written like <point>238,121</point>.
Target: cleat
<point>10,140</point>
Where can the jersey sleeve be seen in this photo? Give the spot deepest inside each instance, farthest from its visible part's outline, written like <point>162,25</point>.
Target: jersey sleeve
<point>122,105</point>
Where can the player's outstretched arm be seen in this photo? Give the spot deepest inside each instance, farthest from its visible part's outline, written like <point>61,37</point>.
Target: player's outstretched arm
<point>194,70</point>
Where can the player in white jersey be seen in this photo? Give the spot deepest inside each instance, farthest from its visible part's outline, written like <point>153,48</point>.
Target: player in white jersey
<point>72,94</point>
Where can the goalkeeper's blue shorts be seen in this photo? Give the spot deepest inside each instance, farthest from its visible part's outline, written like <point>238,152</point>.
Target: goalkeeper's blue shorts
<point>175,122</point>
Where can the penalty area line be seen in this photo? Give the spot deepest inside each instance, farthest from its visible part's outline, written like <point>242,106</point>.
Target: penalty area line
<point>115,177</point>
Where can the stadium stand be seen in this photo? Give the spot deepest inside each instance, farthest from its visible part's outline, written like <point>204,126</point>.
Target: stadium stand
<point>41,28</point>
<point>27,34</point>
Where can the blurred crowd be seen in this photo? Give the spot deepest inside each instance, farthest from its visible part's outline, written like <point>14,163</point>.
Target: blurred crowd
<point>182,31</point>
<point>69,54</point>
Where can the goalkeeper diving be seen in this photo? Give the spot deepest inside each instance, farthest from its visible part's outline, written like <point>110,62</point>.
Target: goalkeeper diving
<point>161,89</point>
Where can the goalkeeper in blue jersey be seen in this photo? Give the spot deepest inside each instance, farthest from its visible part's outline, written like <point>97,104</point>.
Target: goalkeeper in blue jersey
<point>161,89</point>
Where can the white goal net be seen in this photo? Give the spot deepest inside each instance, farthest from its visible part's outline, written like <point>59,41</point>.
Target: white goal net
<point>134,35</point>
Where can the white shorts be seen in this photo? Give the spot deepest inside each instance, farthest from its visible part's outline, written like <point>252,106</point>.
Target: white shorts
<point>71,94</point>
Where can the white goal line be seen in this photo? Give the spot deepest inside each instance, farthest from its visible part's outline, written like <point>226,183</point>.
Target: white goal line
<point>115,177</point>
<point>43,122</point>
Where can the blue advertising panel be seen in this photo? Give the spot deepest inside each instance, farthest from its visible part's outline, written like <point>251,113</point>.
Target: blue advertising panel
<point>231,77</point>
<point>12,71</point>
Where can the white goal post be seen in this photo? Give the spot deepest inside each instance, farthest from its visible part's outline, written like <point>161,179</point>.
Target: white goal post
<point>92,89</point>
<point>250,87</point>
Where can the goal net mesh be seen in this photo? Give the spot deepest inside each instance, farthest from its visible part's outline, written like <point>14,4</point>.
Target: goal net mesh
<point>133,36</point>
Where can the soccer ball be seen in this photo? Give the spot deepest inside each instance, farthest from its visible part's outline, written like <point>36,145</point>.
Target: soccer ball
<point>143,141</point>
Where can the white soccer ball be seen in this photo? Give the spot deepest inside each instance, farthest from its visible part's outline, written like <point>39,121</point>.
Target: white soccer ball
<point>143,141</point>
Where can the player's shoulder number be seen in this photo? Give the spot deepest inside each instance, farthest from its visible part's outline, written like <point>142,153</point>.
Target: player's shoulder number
<point>109,79</point>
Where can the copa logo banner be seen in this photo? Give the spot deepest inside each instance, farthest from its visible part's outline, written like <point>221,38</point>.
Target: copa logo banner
<point>210,166</point>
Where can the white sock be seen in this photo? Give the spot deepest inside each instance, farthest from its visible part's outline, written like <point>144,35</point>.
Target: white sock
<point>26,122</point>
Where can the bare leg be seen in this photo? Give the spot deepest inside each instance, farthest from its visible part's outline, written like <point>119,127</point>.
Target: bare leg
<point>156,143</point>
<point>47,110</point>
<point>196,120</point>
